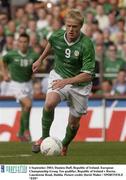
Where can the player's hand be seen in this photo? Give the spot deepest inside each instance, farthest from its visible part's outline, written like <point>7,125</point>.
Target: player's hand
<point>36,65</point>
<point>59,84</point>
<point>6,77</point>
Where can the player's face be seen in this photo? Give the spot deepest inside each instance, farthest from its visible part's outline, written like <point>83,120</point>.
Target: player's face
<point>23,44</point>
<point>72,29</point>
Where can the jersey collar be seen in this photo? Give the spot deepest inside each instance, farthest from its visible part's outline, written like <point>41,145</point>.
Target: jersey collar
<point>22,54</point>
<point>72,43</point>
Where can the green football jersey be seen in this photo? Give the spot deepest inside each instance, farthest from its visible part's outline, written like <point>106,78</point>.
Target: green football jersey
<point>70,59</point>
<point>20,65</point>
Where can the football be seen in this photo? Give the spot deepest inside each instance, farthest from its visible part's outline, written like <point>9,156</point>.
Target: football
<point>51,146</point>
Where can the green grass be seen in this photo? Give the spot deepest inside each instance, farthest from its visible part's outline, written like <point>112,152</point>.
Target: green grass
<point>79,153</point>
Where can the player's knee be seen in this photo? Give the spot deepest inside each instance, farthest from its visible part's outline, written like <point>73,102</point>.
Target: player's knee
<point>74,125</point>
<point>50,105</point>
<point>27,106</point>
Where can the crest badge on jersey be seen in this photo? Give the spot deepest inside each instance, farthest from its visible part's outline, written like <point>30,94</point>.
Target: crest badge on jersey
<point>76,53</point>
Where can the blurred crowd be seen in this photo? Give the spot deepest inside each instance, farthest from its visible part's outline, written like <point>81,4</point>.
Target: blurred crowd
<point>104,23</point>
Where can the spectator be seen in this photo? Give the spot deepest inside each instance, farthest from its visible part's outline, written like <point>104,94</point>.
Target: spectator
<point>120,83</point>
<point>15,4</point>
<point>10,28</point>
<point>98,38</point>
<point>122,13</point>
<point>121,31</point>
<point>81,5</point>
<point>107,40</point>
<point>87,30</point>
<point>122,52</point>
<point>31,26</point>
<point>56,12</point>
<point>19,15</point>
<point>92,7</point>
<point>112,23</point>
<point>106,88</point>
<point>112,63</point>
<point>101,17</point>
<point>95,28</point>
<point>70,5</point>
<point>25,20</point>
<point>29,9</point>
<point>38,49</point>
<point>89,18</point>
<point>107,6</point>
<point>3,18</point>
<point>43,43</point>
<point>120,39</point>
<point>42,33</point>
<point>121,24</point>
<point>33,40</point>
<point>56,24</point>
<point>9,44</point>
<point>37,89</point>
<point>121,3</point>
<point>100,52</point>
<point>20,30</point>
<point>114,4</point>
<point>42,21</point>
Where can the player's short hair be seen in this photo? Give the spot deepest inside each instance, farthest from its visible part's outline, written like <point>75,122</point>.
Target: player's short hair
<point>25,36</point>
<point>75,14</point>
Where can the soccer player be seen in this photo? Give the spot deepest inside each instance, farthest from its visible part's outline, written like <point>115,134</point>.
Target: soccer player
<point>17,68</point>
<point>71,78</point>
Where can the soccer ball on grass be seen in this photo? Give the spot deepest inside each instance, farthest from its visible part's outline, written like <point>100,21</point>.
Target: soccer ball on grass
<point>51,146</point>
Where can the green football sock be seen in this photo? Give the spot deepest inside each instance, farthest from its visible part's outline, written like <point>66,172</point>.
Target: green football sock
<point>24,122</point>
<point>47,120</point>
<point>21,128</point>
<point>70,134</point>
<point>26,115</point>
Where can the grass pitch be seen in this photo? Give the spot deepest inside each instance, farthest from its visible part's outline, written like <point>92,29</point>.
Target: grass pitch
<point>79,153</point>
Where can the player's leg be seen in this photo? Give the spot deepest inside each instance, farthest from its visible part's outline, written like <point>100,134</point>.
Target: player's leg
<point>23,94</point>
<point>78,106</point>
<point>26,104</point>
<point>52,99</point>
<point>71,131</point>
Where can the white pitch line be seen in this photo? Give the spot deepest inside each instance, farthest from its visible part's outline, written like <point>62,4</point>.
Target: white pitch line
<point>18,155</point>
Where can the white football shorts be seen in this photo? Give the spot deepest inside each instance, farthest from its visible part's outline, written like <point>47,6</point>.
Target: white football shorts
<point>76,96</point>
<point>21,90</point>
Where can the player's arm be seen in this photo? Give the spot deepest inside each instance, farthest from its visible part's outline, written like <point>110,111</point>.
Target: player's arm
<point>4,69</point>
<point>36,65</point>
<point>82,77</point>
